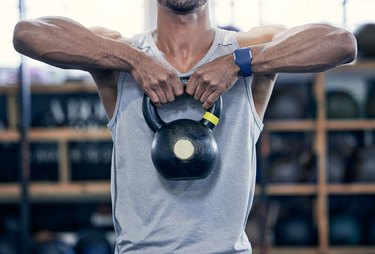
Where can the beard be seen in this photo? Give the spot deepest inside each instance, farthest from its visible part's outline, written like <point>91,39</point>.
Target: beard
<point>182,6</point>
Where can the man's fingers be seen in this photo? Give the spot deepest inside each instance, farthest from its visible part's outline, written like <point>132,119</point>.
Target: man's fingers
<point>177,87</point>
<point>168,92</point>
<point>162,96</point>
<point>210,100</point>
<point>205,95</point>
<point>199,92</point>
<point>191,85</point>
<point>154,98</point>
<point>195,87</point>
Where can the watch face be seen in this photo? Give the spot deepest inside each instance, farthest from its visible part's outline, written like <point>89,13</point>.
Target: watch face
<point>242,57</point>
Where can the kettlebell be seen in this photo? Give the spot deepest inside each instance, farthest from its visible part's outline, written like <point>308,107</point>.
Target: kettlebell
<point>365,35</point>
<point>183,149</point>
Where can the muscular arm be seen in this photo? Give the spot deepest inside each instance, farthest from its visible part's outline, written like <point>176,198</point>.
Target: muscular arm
<point>283,53</point>
<point>308,48</point>
<point>67,44</point>
<point>263,84</point>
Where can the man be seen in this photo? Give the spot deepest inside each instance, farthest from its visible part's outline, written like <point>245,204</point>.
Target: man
<point>151,214</point>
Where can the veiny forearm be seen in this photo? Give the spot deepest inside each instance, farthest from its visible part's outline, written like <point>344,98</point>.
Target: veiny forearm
<point>310,48</point>
<point>67,44</point>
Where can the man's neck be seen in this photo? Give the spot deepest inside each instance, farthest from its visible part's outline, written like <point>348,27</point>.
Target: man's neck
<point>183,38</point>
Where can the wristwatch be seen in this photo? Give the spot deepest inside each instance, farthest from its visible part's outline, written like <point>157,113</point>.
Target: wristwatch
<point>243,57</point>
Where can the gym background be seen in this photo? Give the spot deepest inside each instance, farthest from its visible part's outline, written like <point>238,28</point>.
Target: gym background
<point>316,170</point>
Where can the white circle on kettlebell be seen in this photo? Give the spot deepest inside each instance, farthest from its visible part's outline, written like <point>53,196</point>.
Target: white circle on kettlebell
<point>183,149</point>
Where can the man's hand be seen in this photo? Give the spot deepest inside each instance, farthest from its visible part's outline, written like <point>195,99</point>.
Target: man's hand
<point>213,79</point>
<point>160,83</point>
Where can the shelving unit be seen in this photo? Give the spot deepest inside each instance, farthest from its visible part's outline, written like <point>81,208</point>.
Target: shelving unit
<point>66,190</point>
<point>323,189</point>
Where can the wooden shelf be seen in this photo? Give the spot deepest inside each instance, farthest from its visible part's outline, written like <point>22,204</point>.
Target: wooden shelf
<point>359,65</point>
<point>352,250</point>
<point>66,133</point>
<point>58,134</point>
<point>311,189</point>
<point>11,89</point>
<point>310,125</point>
<point>290,125</point>
<point>351,189</point>
<point>288,250</point>
<point>9,135</point>
<point>90,190</point>
<point>350,124</point>
<point>70,87</point>
<point>337,250</point>
<point>288,189</point>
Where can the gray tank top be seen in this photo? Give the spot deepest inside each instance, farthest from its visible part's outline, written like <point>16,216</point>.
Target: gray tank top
<point>154,215</point>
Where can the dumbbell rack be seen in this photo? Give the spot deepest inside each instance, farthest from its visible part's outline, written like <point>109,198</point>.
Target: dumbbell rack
<point>66,190</point>
<point>323,189</point>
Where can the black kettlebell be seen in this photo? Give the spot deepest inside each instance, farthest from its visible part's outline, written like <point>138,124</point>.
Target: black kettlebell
<point>365,35</point>
<point>183,149</point>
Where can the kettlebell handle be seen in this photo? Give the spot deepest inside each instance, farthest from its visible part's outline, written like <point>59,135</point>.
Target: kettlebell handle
<point>210,118</point>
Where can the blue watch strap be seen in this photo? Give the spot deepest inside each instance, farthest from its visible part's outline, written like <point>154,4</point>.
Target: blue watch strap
<point>242,58</point>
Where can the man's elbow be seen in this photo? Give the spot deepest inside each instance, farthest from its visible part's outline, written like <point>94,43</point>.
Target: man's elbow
<point>21,35</point>
<point>348,46</point>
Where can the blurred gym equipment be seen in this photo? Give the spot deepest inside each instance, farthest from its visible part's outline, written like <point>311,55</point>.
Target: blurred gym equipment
<point>336,168</point>
<point>365,35</point>
<point>286,103</point>
<point>370,103</point>
<point>8,246</point>
<point>53,247</point>
<point>370,230</point>
<point>44,162</point>
<point>90,160</point>
<point>295,229</point>
<point>341,105</point>
<point>3,112</point>
<point>93,242</point>
<point>365,165</point>
<point>344,229</point>
<point>9,161</point>
<point>284,169</point>
<point>78,110</point>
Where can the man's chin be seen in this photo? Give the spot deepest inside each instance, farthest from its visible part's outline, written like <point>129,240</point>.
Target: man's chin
<point>182,6</point>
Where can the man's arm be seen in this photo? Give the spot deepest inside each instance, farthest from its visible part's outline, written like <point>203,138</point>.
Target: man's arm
<point>262,84</point>
<point>65,43</point>
<point>308,48</point>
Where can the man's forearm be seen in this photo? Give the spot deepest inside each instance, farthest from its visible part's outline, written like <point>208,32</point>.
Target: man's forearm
<point>310,48</point>
<point>64,43</point>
